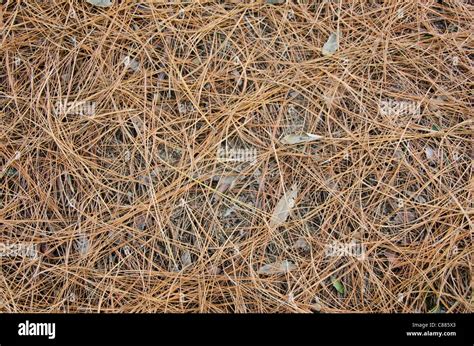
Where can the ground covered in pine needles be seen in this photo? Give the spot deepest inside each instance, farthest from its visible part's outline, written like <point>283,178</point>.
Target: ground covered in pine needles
<point>220,156</point>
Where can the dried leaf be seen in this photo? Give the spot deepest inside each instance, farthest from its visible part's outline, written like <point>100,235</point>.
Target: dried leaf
<point>213,269</point>
<point>226,183</point>
<point>228,212</point>
<point>430,154</point>
<point>138,124</point>
<point>100,3</point>
<point>403,217</point>
<point>392,258</point>
<point>283,207</point>
<point>302,244</point>
<point>302,138</point>
<point>131,63</point>
<point>420,199</point>
<point>338,285</point>
<point>186,258</point>
<point>281,267</point>
<point>331,45</point>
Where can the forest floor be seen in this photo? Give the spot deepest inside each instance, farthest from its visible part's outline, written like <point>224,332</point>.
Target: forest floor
<point>236,157</point>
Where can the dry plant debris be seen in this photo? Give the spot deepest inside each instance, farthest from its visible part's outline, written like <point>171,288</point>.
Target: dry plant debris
<point>112,116</point>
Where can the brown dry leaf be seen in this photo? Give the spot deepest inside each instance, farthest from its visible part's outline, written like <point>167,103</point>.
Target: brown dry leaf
<point>331,45</point>
<point>186,258</point>
<point>403,217</point>
<point>213,269</point>
<point>281,267</point>
<point>138,124</point>
<point>226,183</point>
<point>431,154</point>
<point>283,207</point>
<point>300,138</point>
<point>131,63</point>
<point>100,3</point>
<point>392,258</point>
<point>302,244</point>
